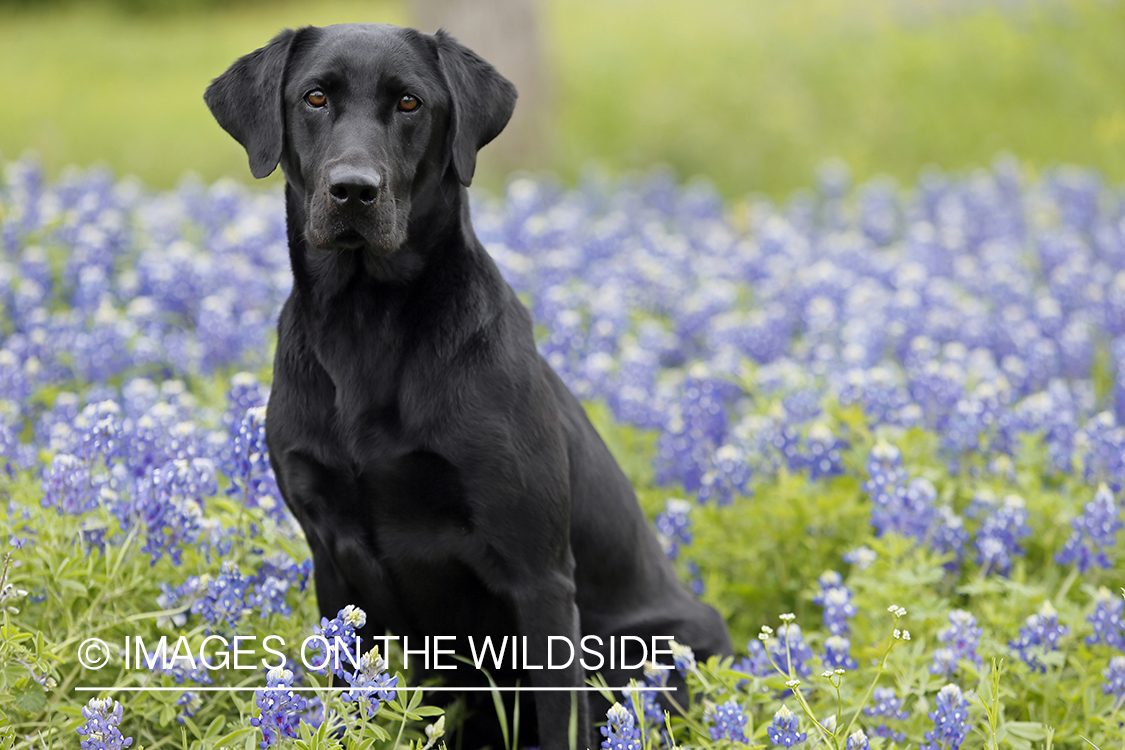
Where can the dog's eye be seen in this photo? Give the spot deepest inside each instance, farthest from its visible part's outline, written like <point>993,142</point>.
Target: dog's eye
<point>408,103</point>
<point>316,98</point>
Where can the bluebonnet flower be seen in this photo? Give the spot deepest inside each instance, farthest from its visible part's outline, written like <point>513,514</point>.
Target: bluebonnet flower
<point>621,731</point>
<point>696,427</point>
<point>861,557</point>
<point>887,704</point>
<point>948,535</point>
<point>757,661</point>
<point>998,537</point>
<point>673,526</point>
<point>726,721</point>
<point>728,475</point>
<point>695,583</point>
<point>1106,618</point>
<point>857,740</point>
<point>683,658</point>
<point>271,584</point>
<point>189,703</point>
<point>1114,675</point>
<point>836,653</point>
<point>836,599</point>
<point>280,708</point>
<point>1038,637</point>
<point>101,730</point>
<point>823,452</point>
<point>371,683</point>
<point>782,730</point>
<point>885,484</point>
<point>951,720</point>
<point>1101,443</point>
<point>801,654</point>
<point>249,466</point>
<point>1095,532</point>
<point>961,638</point>
<point>222,598</point>
<point>656,677</point>
<point>340,635</point>
<point>68,486</point>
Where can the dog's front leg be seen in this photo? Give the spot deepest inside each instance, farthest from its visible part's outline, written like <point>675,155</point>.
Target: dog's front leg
<point>548,609</point>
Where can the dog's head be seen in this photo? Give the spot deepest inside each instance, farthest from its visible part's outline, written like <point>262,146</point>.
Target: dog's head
<point>364,120</point>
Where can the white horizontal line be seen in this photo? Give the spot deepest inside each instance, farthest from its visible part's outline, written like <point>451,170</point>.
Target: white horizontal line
<point>436,689</point>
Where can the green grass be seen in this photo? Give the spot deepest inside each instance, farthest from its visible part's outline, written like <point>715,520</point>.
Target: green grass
<point>753,93</point>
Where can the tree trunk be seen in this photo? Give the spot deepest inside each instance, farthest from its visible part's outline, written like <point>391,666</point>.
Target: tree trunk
<point>508,34</point>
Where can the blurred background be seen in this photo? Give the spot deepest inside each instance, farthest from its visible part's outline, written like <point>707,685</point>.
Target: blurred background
<point>753,94</point>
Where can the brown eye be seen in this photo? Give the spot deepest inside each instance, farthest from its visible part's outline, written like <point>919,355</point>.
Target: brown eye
<point>408,103</point>
<point>316,98</point>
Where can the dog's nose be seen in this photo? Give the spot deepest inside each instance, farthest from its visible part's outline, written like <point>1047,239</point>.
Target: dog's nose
<point>351,187</point>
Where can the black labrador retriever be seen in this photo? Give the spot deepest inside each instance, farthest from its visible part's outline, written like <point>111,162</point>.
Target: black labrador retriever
<point>447,481</point>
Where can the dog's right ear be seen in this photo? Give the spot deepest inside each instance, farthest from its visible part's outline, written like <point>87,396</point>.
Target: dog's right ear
<point>246,100</point>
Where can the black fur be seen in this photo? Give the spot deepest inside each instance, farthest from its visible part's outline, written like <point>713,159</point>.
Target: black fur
<point>446,479</point>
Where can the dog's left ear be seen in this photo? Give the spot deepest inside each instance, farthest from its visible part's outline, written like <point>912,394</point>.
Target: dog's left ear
<point>482,103</point>
<point>246,100</point>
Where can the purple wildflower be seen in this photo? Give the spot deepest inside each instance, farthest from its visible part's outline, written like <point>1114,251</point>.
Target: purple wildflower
<point>1039,636</point>
<point>621,731</point>
<point>101,730</point>
<point>727,721</point>
<point>961,638</point>
<point>673,526</point>
<point>280,708</point>
<point>1107,620</point>
<point>783,730</point>
<point>1095,532</point>
<point>951,720</point>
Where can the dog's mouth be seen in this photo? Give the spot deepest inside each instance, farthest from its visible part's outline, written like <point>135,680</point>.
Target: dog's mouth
<point>350,239</point>
<point>379,228</point>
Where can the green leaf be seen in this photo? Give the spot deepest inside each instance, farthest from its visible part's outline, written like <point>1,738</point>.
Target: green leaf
<point>428,711</point>
<point>1028,730</point>
<point>31,699</point>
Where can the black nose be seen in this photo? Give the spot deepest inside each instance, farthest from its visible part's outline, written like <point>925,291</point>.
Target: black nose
<point>350,187</point>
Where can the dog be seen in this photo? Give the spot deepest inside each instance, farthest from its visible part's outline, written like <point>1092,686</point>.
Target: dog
<point>446,479</point>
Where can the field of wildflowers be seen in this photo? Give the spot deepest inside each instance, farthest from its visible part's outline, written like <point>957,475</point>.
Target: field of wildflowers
<point>879,429</point>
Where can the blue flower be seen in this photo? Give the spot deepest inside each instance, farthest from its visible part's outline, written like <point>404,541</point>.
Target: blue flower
<point>372,682</point>
<point>999,535</point>
<point>103,717</point>
<point>340,635</point>
<point>728,475</point>
<point>1107,620</point>
<point>222,599</point>
<point>783,730</point>
<point>836,656</point>
<point>1039,636</point>
<point>836,599</point>
<point>861,557</point>
<point>886,703</point>
<point>1095,532</point>
<point>1114,675</point>
<point>757,662</point>
<point>797,649</point>
<point>823,452</point>
<point>683,658</point>
<point>961,638</point>
<point>673,526</point>
<point>620,731</point>
<point>857,740</point>
<point>727,721</point>
<point>280,708</point>
<point>951,720</point>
